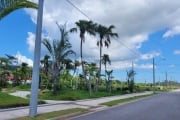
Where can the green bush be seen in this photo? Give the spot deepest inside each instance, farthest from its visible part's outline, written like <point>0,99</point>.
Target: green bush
<point>24,87</point>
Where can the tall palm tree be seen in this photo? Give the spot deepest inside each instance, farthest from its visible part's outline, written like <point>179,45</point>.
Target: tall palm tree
<point>105,35</point>
<point>58,51</point>
<point>8,6</point>
<point>84,26</point>
<point>105,59</point>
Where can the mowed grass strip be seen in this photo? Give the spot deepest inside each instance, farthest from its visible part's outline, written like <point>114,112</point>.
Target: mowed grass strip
<point>56,114</point>
<point>8,101</point>
<point>69,94</point>
<point>116,102</point>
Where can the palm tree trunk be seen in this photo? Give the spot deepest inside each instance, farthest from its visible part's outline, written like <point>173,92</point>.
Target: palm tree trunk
<point>55,79</point>
<point>99,74</point>
<point>89,83</point>
<point>106,78</point>
<point>82,63</point>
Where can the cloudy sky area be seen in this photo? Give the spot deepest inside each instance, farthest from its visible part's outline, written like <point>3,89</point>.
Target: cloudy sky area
<point>146,29</point>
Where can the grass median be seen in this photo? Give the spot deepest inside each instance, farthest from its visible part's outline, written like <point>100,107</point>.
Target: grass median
<point>119,101</point>
<point>62,114</point>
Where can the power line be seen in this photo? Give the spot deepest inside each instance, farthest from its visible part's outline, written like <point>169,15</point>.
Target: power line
<point>78,9</point>
<point>136,54</point>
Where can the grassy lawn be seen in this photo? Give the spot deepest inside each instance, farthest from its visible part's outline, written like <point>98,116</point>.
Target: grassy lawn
<point>74,95</point>
<point>8,101</point>
<point>116,102</point>
<point>55,114</point>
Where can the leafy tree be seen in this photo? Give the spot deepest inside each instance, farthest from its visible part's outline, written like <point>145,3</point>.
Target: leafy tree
<point>84,27</point>
<point>58,50</point>
<point>130,80</point>
<point>8,6</point>
<point>105,35</point>
<point>105,59</point>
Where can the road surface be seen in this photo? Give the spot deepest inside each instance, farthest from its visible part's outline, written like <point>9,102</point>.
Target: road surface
<point>165,106</point>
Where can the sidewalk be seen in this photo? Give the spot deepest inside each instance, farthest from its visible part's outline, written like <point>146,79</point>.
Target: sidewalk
<point>52,105</point>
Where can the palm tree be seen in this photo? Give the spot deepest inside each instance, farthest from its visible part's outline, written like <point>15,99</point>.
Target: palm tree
<point>105,60</point>
<point>84,27</point>
<point>58,51</point>
<point>109,74</point>
<point>24,72</point>
<point>46,66</point>
<point>105,34</point>
<point>8,6</point>
<point>91,70</point>
<point>130,79</point>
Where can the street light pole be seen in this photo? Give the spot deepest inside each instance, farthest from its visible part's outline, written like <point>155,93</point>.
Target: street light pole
<point>35,75</point>
<point>154,84</point>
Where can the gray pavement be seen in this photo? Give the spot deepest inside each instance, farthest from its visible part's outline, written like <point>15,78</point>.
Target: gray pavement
<point>22,94</point>
<point>7,114</point>
<point>164,106</point>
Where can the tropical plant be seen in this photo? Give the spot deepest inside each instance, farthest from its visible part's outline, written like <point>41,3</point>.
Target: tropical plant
<point>45,75</point>
<point>84,26</point>
<point>109,79</point>
<point>105,35</point>
<point>105,59</point>
<point>58,50</point>
<point>91,71</point>
<point>130,80</point>
<point>4,63</point>
<point>8,6</point>
<point>24,72</point>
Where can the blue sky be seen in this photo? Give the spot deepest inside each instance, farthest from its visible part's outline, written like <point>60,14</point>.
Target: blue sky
<point>146,29</point>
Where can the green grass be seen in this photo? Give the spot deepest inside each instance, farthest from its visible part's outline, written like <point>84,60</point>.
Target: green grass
<point>116,102</point>
<point>54,114</point>
<point>73,95</point>
<point>8,101</point>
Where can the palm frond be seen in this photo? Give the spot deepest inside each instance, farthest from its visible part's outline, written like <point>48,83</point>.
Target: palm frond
<point>47,44</point>
<point>8,6</point>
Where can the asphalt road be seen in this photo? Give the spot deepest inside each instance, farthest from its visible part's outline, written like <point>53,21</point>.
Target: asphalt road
<point>165,106</point>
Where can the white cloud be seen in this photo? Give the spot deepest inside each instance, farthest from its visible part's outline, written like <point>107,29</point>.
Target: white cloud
<point>145,66</point>
<point>177,52</point>
<point>24,59</point>
<point>134,20</point>
<point>148,56</point>
<point>31,41</point>
<point>174,31</point>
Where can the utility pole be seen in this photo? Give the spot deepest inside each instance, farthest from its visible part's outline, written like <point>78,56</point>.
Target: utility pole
<point>166,80</point>
<point>35,74</point>
<point>154,84</point>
